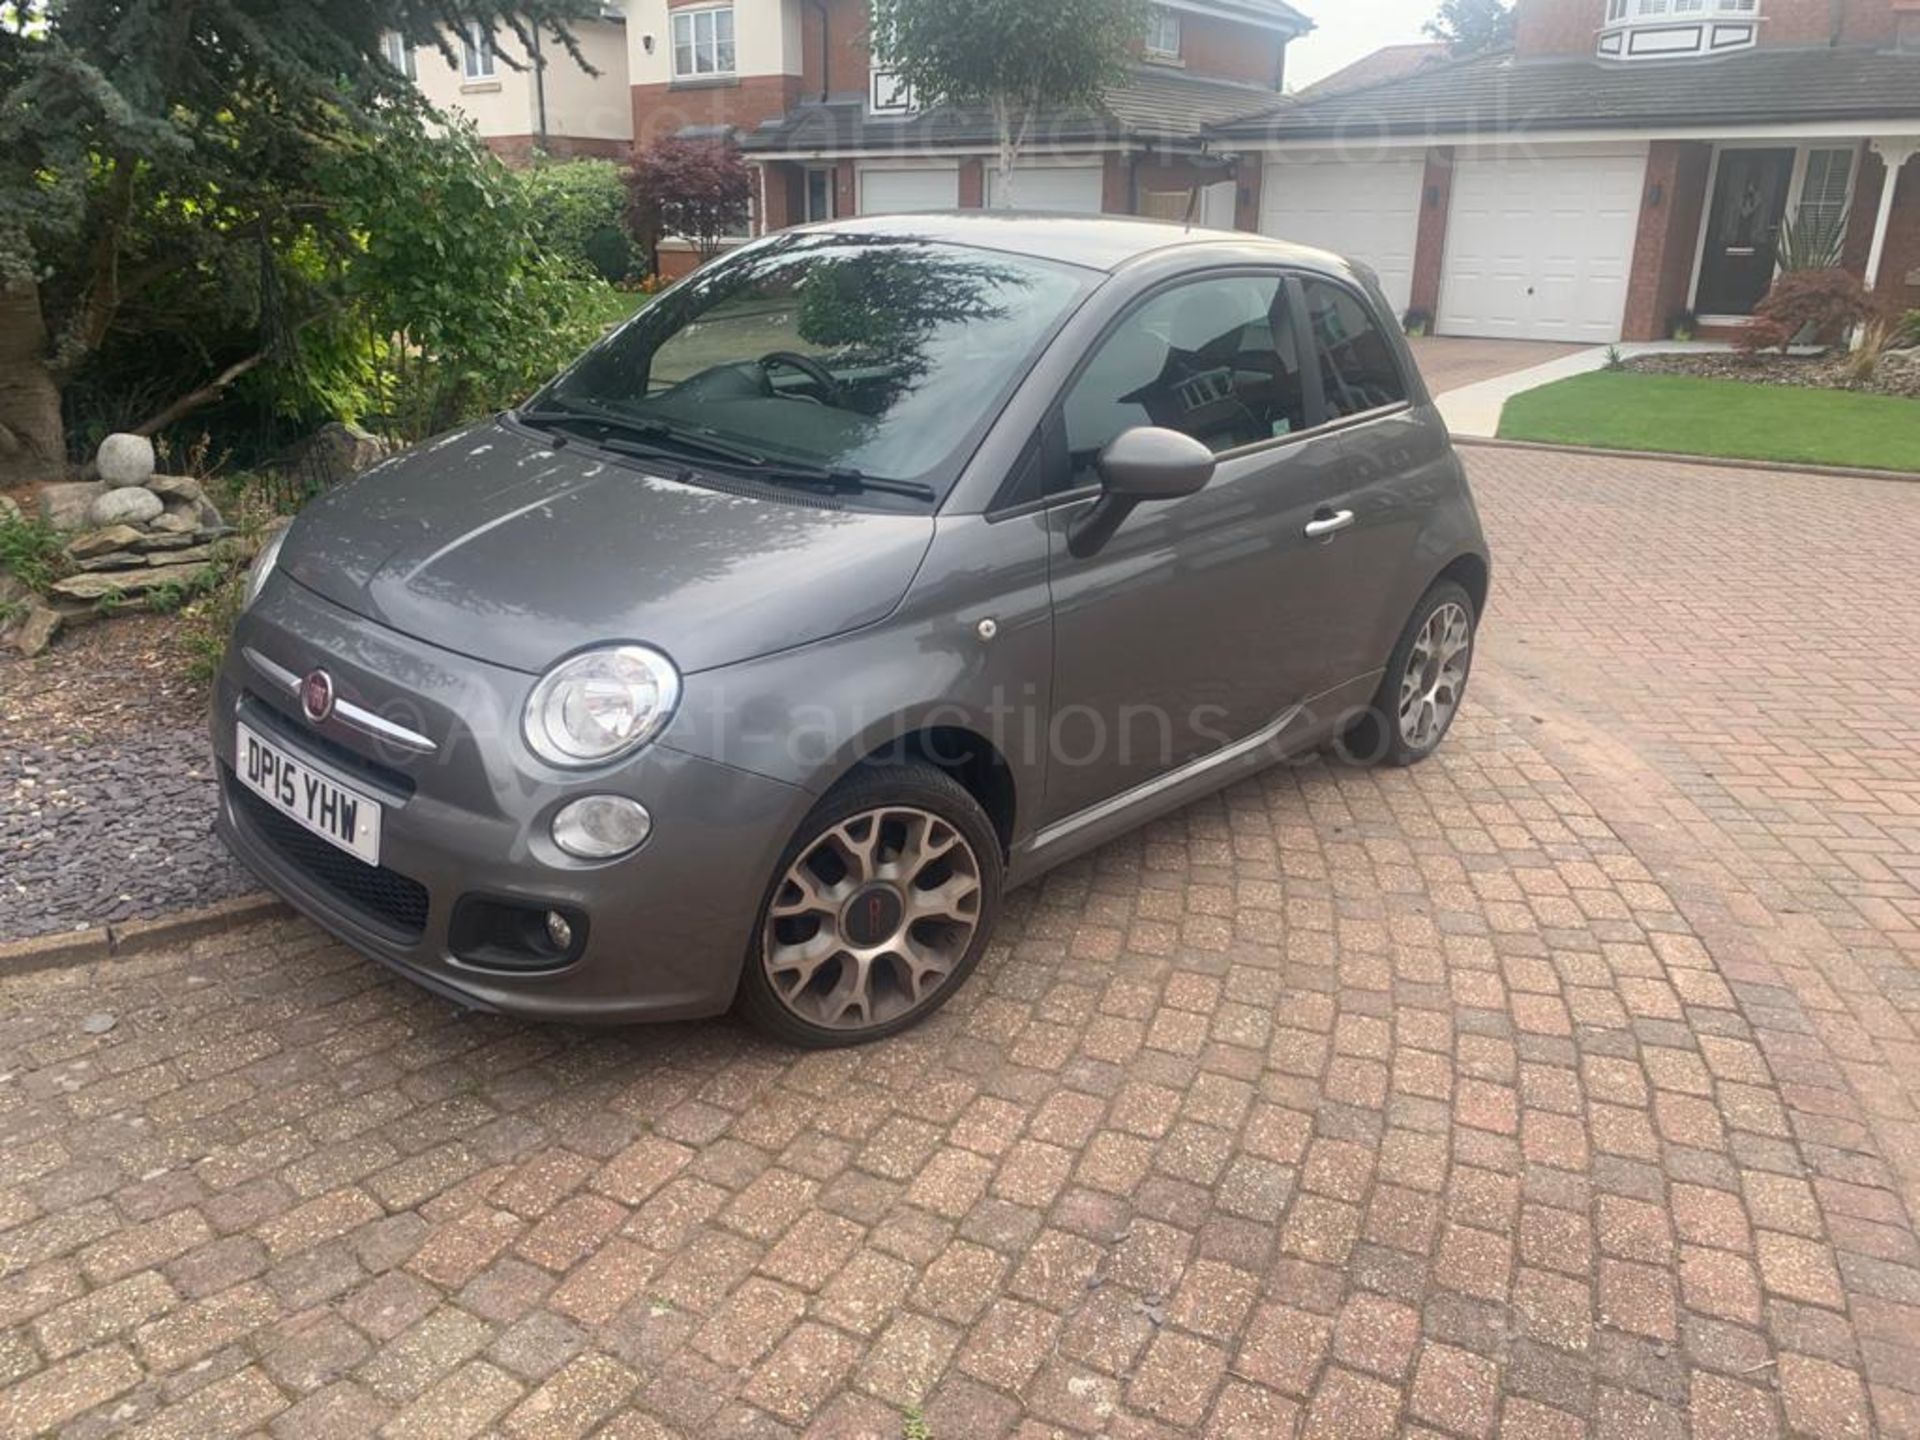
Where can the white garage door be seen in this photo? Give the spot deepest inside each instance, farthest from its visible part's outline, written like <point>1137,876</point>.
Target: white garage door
<point>899,192</point>
<point>1077,189</point>
<point>1541,249</point>
<point>1367,210</point>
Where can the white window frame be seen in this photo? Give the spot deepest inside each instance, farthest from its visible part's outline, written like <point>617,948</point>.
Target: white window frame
<point>1799,199</point>
<point>1622,11</point>
<point>476,53</point>
<point>1163,33</point>
<point>399,54</point>
<point>694,31</point>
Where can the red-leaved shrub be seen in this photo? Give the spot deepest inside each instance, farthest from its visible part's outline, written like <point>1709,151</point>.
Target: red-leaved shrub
<point>1828,301</point>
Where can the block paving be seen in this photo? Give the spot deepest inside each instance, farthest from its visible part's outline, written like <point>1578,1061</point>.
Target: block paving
<point>1563,1086</point>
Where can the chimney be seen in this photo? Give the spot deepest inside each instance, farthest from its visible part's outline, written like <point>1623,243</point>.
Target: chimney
<point>1906,25</point>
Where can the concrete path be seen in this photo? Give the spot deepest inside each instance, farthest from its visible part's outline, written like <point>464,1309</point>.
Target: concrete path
<point>1473,409</point>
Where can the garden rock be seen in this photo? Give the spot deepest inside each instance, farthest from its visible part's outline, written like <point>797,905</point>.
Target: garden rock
<point>125,460</point>
<point>112,560</point>
<point>103,542</point>
<point>176,487</point>
<point>335,453</point>
<point>192,555</point>
<point>200,515</point>
<point>130,504</point>
<point>9,510</point>
<point>174,528</point>
<point>65,505</point>
<point>98,585</point>
<point>33,629</point>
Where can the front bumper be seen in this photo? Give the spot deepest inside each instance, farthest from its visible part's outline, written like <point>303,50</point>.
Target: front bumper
<point>667,927</point>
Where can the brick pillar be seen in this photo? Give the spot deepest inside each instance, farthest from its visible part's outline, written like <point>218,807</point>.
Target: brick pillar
<point>1430,244</point>
<point>1248,173</point>
<point>781,209</point>
<point>846,189</point>
<point>1672,195</point>
<point>1116,190</point>
<point>973,183</point>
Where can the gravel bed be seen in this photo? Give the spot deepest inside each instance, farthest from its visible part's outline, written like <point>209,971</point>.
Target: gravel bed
<point>106,785</point>
<point>1897,374</point>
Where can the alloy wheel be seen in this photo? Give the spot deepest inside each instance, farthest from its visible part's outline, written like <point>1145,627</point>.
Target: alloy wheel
<point>1436,674</point>
<point>872,919</point>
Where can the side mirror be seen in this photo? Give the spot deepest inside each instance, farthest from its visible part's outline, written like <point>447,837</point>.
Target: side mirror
<point>1146,463</point>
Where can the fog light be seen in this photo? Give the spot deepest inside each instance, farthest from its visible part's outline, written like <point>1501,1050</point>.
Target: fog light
<point>601,827</point>
<point>559,931</point>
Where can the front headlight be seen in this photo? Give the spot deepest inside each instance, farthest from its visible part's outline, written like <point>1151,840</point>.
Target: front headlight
<point>263,564</point>
<point>595,706</point>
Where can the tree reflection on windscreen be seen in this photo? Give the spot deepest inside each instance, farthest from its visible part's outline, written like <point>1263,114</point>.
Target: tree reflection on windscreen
<point>873,354</point>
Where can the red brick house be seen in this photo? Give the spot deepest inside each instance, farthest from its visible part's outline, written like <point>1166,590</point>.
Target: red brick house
<point>830,134</point>
<point>1628,161</point>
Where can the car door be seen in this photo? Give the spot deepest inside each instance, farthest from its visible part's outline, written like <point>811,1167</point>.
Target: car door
<point>1195,625</point>
<point>1395,469</point>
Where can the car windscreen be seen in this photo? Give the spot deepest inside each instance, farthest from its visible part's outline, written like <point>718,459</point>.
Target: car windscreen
<point>878,356</point>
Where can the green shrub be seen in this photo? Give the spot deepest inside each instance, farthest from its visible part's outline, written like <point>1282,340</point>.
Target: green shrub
<point>610,253</point>
<point>454,306</point>
<point>32,551</point>
<point>578,210</point>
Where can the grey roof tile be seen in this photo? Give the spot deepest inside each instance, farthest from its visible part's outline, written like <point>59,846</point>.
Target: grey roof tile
<point>1499,95</point>
<point>1156,102</point>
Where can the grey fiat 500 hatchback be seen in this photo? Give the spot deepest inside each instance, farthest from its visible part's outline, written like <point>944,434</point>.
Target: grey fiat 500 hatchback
<point>874,569</point>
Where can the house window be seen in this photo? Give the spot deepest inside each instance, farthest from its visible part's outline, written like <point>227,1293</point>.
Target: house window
<point>1620,10</point>
<point>399,54</point>
<point>476,52</point>
<point>1823,194</point>
<point>703,43</point>
<point>1163,34</point>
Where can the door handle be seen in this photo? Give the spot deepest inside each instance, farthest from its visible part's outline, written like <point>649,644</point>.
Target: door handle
<point>1322,526</point>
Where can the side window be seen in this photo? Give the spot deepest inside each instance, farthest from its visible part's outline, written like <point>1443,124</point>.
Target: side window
<point>1357,365</point>
<point>1216,359</point>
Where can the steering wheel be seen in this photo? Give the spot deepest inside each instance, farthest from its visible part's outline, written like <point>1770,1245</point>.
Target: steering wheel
<point>807,366</point>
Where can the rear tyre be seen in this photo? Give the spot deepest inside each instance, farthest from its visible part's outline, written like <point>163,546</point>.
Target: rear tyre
<point>878,911</point>
<point>1424,683</point>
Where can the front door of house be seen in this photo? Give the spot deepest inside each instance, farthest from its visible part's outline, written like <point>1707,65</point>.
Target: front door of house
<point>1743,230</point>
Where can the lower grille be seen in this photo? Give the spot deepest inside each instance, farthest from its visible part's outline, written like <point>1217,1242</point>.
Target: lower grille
<point>384,897</point>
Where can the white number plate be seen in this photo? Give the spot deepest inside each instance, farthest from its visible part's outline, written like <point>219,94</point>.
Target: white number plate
<point>342,817</point>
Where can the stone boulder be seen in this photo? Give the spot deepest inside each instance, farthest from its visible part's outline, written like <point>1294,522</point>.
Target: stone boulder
<point>127,505</point>
<point>176,487</point>
<point>31,629</point>
<point>9,509</point>
<point>65,505</point>
<point>200,515</point>
<point>335,453</point>
<point>124,460</point>
<point>103,542</point>
<point>97,585</point>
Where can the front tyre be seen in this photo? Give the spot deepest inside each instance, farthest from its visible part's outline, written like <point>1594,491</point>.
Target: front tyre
<point>1424,683</point>
<point>878,911</point>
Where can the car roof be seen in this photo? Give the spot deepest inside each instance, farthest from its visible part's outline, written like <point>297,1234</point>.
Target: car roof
<point>1099,242</point>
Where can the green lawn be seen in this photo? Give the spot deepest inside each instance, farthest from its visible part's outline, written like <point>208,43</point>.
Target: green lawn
<point>1613,410</point>
<point>612,306</point>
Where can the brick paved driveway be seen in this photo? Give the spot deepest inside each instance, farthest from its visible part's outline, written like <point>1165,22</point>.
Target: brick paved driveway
<point>1563,1086</point>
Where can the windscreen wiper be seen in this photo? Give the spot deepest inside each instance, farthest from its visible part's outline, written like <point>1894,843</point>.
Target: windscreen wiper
<point>663,437</point>
<point>843,481</point>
